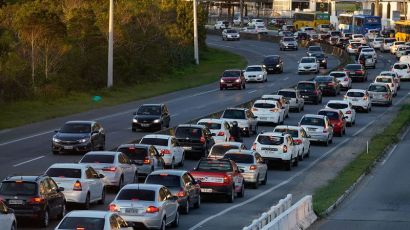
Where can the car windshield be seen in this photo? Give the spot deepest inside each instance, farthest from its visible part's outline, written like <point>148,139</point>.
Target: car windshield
<point>93,223</point>
<point>306,86</point>
<point>211,125</point>
<point>269,140</point>
<point>64,172</point>
<point>338,75</point>
<point>234,114</point>
<point>324,79</point>
<point>232,31</point>
<point>353,67</point>
<point>154,141</point>
<point>289,94</point>
<point>254,69</point>
<point>231,74</point>
<point>400,66</point>
<point>330,114</point>
<point>325,26</point>
<point>134,153</point>
<point>272,60</point>
<point>315,49</point>
<point>220,150</point>
<point>184,132</point>
<point>264,105</point>
<point>316,121</point>
<point>389,40</point>
<point>384,80</point>
<point>377,88</point>
<point>214,166</point>
<point>355,94</point>
<point>337,105</point>
<point>76,128</point>
<point>149,110</point>
<point>308,60</point>
<point>318,55</point>
<point>367,50</point>
<point>358,36</point>
<point>240,158</point>
<point>95,158</point>
<point>293,132</point>
<point>288,39</point>
<point>136,195</point>
<point>22,188</point>
<point>164,179</point>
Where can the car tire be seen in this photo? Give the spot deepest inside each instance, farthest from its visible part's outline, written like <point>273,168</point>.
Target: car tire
<point>175,223</point>
<point>198,202</point>
<point>302,156</point>
<point>308,153</point>
<point>299,109</point>
<point>133,130</point>
<point>244,86</point>
<point>186,207</point>
<point>121,183</point>
<point>163,224</point>
<point>220,88</point>
<point>14,226</point>
<point>255,131</point>
<point>45,219</point>
<point>172,166</point>
<point>296,161</point>
<point>242,192</point>
<point>265,180</point>
<point>63,212</point>
<point>288,165</point>
<point>326,143</point>
<point>181,164</point>
<point>86,204</point>
<point>256,184</point>
<point>316,101</point>
<point>231,196</point>
<point>102,200</point>
<point>56,152</point>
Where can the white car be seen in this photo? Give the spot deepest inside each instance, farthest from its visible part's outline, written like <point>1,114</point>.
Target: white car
<point>151,205</point>
<point>284,104</point>
<point>389,80</point>
<point>277,147</point>
<point>246,119</point>
<point>256,22</point>
<point>360,99</point>
<point>369,51</point>
<point>256,73</point>
<point>268,111</point>
<point>376,43</point>
<point>117,168</point>
<point>387,43</point>
<point>405,58</point>
<point>347,109</point>
<point>100,220</point>
<point>220,25</point>
<point>369,60</point>
<point>296,102</point>
<point>372,33</point>
<point>230,34</point>
<point>343,77</point>
<point>402,69</point>
<point>308,65</point>
<point>395,45</point>
<point>168,146</point>
<point>81,183</point>
<point>359,38</point>
<point>323,28</point>
<point>318,128</point>
<point>261,30</point>
<point>300,138</point>
<point>219,149</point>
<point>353,47</point>
<point>7,218</point>
<point>219,127</point>
<point>308,29</point>
<point>402,50</point>
<point>394,75</point>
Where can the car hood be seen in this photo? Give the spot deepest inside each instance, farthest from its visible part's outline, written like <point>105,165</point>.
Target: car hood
<point>146,117</point>
<point>306,64</point>
<point>71,136</point>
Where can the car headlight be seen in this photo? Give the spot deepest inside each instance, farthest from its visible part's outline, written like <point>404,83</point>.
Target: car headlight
<point>238,80</point>
<point>135,120</point>
<point>323,61</point>
<point>277,65</point>
<point>56,140</point>
<point>222,81</point>
<point>260,75</point>
<point>84,140</point>
<point>156,121</point>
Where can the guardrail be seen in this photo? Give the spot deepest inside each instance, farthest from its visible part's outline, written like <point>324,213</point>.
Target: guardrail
<point>274,212</point>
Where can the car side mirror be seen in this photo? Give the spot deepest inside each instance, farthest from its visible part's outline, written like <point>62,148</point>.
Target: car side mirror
<point>60,189</point>
<point>101,175</point>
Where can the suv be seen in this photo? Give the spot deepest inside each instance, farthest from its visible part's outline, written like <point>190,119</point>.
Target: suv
<point>232,79</point>
<point>273,63</point>
<point>288,43</point>
<point>151,116</point>
<point>230,34</point>
<point>246,119</point>
<point>328,85</point>
<point>310,91</point>
<point>296,101</point>
<point>314,49</point>
<point>36,197</point>
<point>308,65</point>
<point>321,58</point>
<point>356,72</point>
<point>195,138</point>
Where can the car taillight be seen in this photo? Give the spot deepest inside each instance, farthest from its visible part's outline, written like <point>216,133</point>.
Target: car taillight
<point>274,110</point>
<point>226,179</point>
<point>386,96</point>
<point>285,149</point>
<point>252,167</point>
<point>349,112</point>
<point>202,140</point>
<point>113,208</point>
<point>346,79</point>
<point>36,200</point>
<point>365,98</point>
<point>181,193</point>
<point>298,142</point>
<point>359,72</point>
<point>220,134</point>
<point>254,146</point>
<point>331,84</point>
<point>110,169</point>
<point>165,151</point>
<point>77,186</point>
<point>254,109</point>
<point>147,161</point>
<point>152,209</point>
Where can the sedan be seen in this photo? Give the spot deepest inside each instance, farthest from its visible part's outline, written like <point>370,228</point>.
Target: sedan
<point>318,128</point>
<point>171,151</point>
<point>343,78</point>
<point>380,93</point>
<point>346,108</point>
<point>356,72</point>
<point>232,79</point>
<point>255,73</point>
<point>308,65</point>
<point>151,116</point>
<point>328,85</point>
<point>402,69</point>
<point>230,34</point>
<point>181,184</point>
<point>219,149</point>
<point>218,127</point>
<point>147,206</point>
<point>360,99</point>
<point>7,217</point>
<point>268,111</point>
<point>288,43</point>
<point>101,220</point>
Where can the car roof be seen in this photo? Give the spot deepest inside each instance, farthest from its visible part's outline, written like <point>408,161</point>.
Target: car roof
<point>80,122</point>
<point>272,96</point>
<point>143,186</point>
<point>158,136</point>
<point>288,90</point>
<point>356,90</point>
<point>134,145</point>
<point>152,104</point>
<point>23,178</point>
<point>276,134</point>
<point>254,66</point>
<point>88,213</point>
<point>238,144</point>
<point>338,72</point>
<point>314,115</point>
<point>234,108</point>
<point>310,82</point>
<point>212,120</point>
<point>378,83</point>
<point>385,76</point>
<point>338,102</point>
<point>191,126</point>
<point>265,101</point>
<point>102,153</point>
<point>69,165</point>
<point>330,109</point>
<point>401,63</point>
<point>385,72</point>
<point>272,56</point>
<point>170,172</point>
<point>291,127</point>
<point>232,70</point>
<point>241,151</point>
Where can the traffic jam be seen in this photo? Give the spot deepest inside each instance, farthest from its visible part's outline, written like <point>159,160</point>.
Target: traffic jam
<point>151,187</point>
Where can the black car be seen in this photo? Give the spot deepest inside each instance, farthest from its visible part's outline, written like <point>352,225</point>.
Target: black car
<point>34,197</point>
<point>273,63</point>
<point>321,59</point>
<point>302,36</point>
<point>310,91</point>
<point>314,49</point>
<point>356,72</point>
<point>151,116</point>
<point>78,136</point>
<point>342,42</point>
<point>328,85</point>
<point>195,138</point>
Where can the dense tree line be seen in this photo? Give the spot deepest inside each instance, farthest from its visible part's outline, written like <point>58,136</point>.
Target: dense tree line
<point>53,47</point>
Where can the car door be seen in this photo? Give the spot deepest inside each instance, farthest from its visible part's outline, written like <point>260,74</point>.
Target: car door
<point>176,150</point>
<point>251,118</point>
<point>170,204</point>
<point>237,178</point>
<point>190,187</point>
<point>305,140</point>
<point>6,219</point>
<point>100,134</point>
<point>126,167</point>
<point>94,183</point>
<point>55,198</point>
<point>329,128</point>
<point>209,140</point>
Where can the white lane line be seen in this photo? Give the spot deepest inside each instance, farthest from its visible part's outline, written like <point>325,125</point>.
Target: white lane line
<point>25,162</point>
<point>286,78</point>
<point>271,189</point>
<point>205,92</point>
<point>253,91</point>
<point>25,138</point>
<point>174,115</point>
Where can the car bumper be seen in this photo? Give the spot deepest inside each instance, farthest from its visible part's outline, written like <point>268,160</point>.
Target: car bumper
<point>232,38</point>
<point>318,137</point>
<point>310,70</point>
<point>145,125</point>
<point>148,221</point>
<point>230,85</point>
<point>58,147</point>
<point>291,47</point>
<point>254,79</point>
<point>380,101</point>
<point>110,179</point>
<point>75,196</point>
<point>224,190</point>
<point>268,118</point>
<point>36,212</point>
<point>358,105</point>
<point>272,68</point>
<point>311,98</point>
<point>143,170</point>
<point>250,177</point>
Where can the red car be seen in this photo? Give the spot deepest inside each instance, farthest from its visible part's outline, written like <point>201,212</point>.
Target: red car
<point>219,177</point>
<point>337,120</point>
<point>232,79</point>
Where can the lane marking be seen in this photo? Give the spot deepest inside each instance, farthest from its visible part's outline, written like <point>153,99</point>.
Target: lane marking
<point>395,146</point>
<point>253,91</point>
<point>205,92</point>
<point>25,138</point>
<point>286,78</point>
<point>28,161</point>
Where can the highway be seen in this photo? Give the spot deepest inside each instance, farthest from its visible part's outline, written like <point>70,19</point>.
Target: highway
<point>26,150</point>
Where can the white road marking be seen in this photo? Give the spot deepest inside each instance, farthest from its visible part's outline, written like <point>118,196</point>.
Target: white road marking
<point>25,138</point>
<point>205,92</point>
<point>25,162</point>
<point>286,78</point>
<point>253,91</point>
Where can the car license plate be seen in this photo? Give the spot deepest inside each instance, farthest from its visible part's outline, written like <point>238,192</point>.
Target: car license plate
<point>228,85</point>
<point>130,210</point>
<point>263,118</point>
<point>68,147</point>
<point>187,148</point>
<point>144,125</point>
<point>15,201</point>
<point>270,68</point>
<point>208,190</point>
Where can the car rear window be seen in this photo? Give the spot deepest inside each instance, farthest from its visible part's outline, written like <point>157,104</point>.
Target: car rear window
<point>271,60</point>
<point>220,150</point>
<point>22,188</point>
<point>355,94</point>
<point>64,172</point>
<point>240,158</point>
<point>76,128</point>
<point>154,141</point>
<point>337,105</point>
<point>323,79</point>
<point>384,80</point>
<point>289,94</point>
<point>315,49</point>
<point>338,75</point>
<point>82,223</point>
<point>134,153</point>
<point>264,105</point>
<point>183,132</point>
<point>214,166</point>
<point>329,114</point>
<point>253,69</point>
<point>211,125</point>
<point>316,121</point>
<point>400,66</point>
<point>270,140</point>
<point>355,45</point>
<point>292,132</point>
<point>377,88</point>
<point>231,74</point>
<point>95,158</point>
<point>149,110</point>
<point>234,114</point>
<point>306,86</point>
<point>353,67</point>
<point>164,179</point>
<point>136,194</point>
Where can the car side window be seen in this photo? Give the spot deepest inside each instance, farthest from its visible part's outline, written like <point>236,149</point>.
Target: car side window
<point>166,110</point>
<point>186,179</point>
<point>162,194</point>
<point>168,194</point>
<point>121,222</point>
<point>3,208</point>
<point>173,142</point>
<point>126,159</point>
<point>122,159</point>
<point>43,188</point>
<point>114,223</point>
<point>52,186</point>
<point>94,127</point>
<point>91,173</point>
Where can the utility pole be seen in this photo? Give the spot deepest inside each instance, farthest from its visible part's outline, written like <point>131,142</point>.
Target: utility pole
<point>110,44</point>
<point>196,54</point>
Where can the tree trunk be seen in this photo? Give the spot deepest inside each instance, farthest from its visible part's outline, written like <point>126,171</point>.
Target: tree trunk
<point>32,59</point>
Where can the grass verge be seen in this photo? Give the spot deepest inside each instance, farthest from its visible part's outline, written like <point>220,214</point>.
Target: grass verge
<point>325,196</point>
<point>213,62</point>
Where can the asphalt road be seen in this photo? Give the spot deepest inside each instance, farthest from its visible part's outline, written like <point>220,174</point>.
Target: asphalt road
<point>26,150</point>
<point>381,201</point>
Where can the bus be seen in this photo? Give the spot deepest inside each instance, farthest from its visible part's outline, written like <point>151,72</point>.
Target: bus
<point>310,19</point>
<point>363,23</point>
<point>345,22</point>
<point>402,30</point>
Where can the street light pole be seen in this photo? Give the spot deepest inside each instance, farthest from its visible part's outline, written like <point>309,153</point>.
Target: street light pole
<point>110,45</point>
<point>196,54</point>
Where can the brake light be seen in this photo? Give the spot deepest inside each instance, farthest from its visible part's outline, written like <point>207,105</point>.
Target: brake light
<point>152,209</point>
<point>77,186</point>
<point>226,179</point>
<point>274,110</point>
<point>331,84</point>
<point>36,200</point>
<point>254,146</point>
<point>202,140</point>
<point>349,112</point>
<point>285,149</point>
<point>386,96</point>
<point>181,193</point>
<point>147,161</point>
<point>298,142</point>
<point>110,169</point>
<point>113,208</point>
<point>252,167</point>
<point>165,151</point>
<point>346,79</point>
<point>220,134</point>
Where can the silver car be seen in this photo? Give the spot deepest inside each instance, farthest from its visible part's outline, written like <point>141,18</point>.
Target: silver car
<point>318,128</point>
<point>219,149</point>
<point>230,34</point>
<point>147,205</point>
<point>288,43</point>
<point>380,93</point>
<point>101,220</point>
<point>296,102</point>
<point>255,169</point>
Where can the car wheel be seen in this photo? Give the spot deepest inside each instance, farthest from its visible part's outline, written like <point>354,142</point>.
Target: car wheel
<point>331,141</point>
<point>303,108</point>
<point>198,202</point>
<point>181,164</point>
<point>121,183</point>
<point>163,225</point>
<point>45,219</point>
<point>288,165</point>
<point>265,180</point>
<point>296,161</point>
<point>86,204</point>
<point>63,211</point>
<point>242,192</point>
<point>256,184</point>
<point>299,109</point>
<point>56,152</point>
<point>231,196</point>
<point>173,163</point>
<point>133,129</point>
<point>326,143</point>
<point>186,207</point>
<point>244,86</point>
<point>220,88</point>
<point>301,157</point>
<point>13,226</point>
<point>102,200</point>
<point>316,101</point>
<point>308,153</point>
<point>255,131</point>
